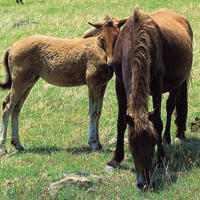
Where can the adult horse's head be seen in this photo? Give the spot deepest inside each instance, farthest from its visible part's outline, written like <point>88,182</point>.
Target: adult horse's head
<point>142,147</point>
<point>109,31</point>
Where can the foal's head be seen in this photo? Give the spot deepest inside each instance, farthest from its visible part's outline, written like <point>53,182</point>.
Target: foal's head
<point>142,147</point>
<point>110,30</point>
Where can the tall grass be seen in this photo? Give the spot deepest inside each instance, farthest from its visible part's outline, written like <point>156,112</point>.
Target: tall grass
<point>54,121</point>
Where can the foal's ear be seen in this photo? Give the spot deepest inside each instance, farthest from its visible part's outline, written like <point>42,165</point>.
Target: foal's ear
<point>121,22</point>
<point>96,25</point>
<point>129,120</point>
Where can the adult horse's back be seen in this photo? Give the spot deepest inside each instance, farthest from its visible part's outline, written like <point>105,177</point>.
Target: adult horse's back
<point>153,55</point>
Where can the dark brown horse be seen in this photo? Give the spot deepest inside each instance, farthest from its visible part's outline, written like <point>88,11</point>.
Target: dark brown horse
<point>153,55</point>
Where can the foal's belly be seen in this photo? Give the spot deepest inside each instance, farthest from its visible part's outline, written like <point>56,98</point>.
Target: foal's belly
<point>64,78</point>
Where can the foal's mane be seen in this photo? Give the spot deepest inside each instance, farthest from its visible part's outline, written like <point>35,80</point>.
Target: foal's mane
<point>140,66</point>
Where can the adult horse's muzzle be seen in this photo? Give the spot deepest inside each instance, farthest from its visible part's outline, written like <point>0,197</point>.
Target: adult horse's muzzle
<point>110,63</point>
<point>143,184</point>
<point>110,66</point>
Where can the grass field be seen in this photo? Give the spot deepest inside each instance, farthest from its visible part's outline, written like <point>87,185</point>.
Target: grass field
<point>54,121</point>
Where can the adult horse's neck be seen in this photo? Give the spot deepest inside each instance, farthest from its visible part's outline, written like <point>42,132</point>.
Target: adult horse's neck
<point>140,66</point>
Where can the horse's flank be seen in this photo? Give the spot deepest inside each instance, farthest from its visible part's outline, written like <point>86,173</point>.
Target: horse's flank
<point>178,33</point>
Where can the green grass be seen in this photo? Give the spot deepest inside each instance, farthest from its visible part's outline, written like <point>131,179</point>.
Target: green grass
<point>54,121</point>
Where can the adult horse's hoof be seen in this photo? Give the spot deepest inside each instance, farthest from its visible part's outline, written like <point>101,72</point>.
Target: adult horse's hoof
<point>109,168</point>
<point>114,164</point>
<point>95,146</point>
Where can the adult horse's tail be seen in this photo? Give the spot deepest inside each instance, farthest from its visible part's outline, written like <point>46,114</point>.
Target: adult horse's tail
<point>7,84</point>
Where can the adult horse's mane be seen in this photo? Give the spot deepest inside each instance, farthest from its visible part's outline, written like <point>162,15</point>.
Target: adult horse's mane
<point>140,66</point>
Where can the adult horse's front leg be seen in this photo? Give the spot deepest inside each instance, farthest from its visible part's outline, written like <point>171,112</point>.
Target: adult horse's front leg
<point>96,94</point>
<point>121,125</point>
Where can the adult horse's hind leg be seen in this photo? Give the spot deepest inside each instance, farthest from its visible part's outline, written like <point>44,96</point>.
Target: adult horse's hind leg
<point>181,110</point>
<point>96,94</point>
<point>171,102</point>
<point>15,141</point>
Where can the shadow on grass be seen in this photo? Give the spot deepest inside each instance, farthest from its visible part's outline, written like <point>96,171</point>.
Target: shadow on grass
<point>179,160</point>
<point>43,150</point>
<point>85,150</point>
<point>53,149</point>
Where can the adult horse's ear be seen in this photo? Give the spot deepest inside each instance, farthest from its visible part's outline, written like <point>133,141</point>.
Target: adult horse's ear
<point>136,14</point>
<point>97,25</point>
<point>121,22</point>
<point>129,120</point>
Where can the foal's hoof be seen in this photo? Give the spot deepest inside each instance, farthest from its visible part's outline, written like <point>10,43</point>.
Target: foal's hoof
<point>18,146</point>
<point>21,148</point>
<point>95,146</point>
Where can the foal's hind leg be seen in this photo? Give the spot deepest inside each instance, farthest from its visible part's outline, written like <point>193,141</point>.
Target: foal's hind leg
<point>96,94</point>
<point>3,131</point>
<point>8,107</point>
<point>15,141</point>
<point>181,111</point>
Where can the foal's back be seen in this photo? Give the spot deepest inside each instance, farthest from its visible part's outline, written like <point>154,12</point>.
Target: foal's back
<point>58,61</point>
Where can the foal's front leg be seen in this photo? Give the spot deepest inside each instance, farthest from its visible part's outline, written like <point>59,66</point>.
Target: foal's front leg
<point>15,141</point>
<point>96,94</point>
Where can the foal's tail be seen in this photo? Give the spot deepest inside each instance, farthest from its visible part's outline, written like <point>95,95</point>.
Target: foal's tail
<point>7,84</point>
